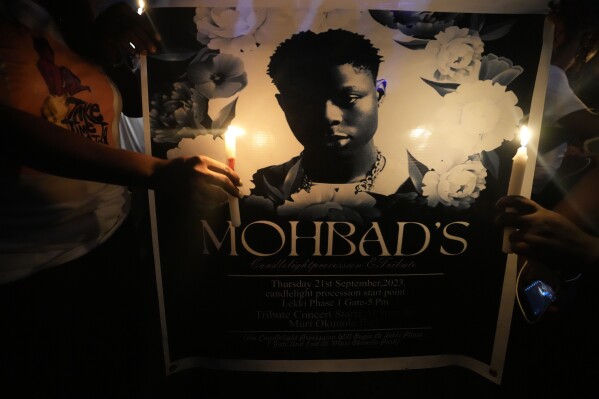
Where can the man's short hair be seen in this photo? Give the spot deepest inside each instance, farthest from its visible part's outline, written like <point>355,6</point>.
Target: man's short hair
<point>306,54</point>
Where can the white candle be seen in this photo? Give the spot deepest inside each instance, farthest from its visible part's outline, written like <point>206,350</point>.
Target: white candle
<point>516,179</point>
<point>230,151</point>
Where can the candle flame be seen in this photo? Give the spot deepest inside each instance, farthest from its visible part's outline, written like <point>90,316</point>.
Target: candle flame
<point>231,136</point>
<point>141,5</point>
<point>524,135</point>
<point>230,140</point>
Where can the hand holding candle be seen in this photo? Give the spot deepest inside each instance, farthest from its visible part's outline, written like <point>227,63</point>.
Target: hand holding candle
<point>516,179</point>
<point>230,151</point>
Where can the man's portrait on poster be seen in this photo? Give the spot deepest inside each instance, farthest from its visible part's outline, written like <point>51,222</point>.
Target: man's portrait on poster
<point>327,86</point>
<point>330,94</point>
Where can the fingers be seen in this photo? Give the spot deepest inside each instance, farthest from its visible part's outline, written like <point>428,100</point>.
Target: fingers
<point>215,174</point>
<point>142,42</point>
<point>223,169</point>
<point>202,178</point>
<point>148,29</point>
<point>530,238</point>
<point>523,244</point>
<point>517,202</point>
<point>541,234</point>
<point>143,38</point>
<point>517,211</point>
<point>511,219</point>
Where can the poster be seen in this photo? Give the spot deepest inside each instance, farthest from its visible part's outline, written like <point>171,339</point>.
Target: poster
<point>377,139</point>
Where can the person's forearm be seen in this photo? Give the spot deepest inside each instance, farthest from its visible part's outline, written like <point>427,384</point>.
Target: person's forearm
<point>32,141</point>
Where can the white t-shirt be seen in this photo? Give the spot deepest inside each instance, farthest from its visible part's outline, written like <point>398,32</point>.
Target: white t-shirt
<point>560,101</point>
<point>47,220</point>
<point>132,133</point>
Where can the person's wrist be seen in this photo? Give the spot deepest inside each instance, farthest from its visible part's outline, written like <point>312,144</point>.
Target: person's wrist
<point>156,176</point>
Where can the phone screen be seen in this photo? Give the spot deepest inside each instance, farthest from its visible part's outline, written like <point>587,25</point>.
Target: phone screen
<point>538,295</point>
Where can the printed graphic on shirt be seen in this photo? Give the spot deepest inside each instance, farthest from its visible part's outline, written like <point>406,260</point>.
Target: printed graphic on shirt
<point>61,107</point>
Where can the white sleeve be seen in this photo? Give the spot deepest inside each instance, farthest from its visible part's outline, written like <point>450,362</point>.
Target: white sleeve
<point>560,100</point>
<point>132,133</point>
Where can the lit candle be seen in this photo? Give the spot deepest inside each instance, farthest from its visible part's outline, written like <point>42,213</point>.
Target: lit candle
<point>230,151</point>
<point>141,6</point>
<point>516,179</point>
<point>230,144</point>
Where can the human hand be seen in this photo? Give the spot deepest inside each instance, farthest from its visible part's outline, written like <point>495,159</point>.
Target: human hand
<point>202,179</point>
<point>546,236</point>
<point>118,26</point>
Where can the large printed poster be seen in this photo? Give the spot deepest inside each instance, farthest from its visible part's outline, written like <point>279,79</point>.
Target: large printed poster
<point>376,143</point>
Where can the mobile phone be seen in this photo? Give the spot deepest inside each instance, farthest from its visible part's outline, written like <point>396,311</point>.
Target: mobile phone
<point>538,295</point>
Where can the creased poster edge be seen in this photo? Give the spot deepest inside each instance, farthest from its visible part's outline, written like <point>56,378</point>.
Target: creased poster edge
<point>467,6</point>
<point>152,211</point>
<point>538,102</point>
<point>534,125</point>
<point>334,365</point>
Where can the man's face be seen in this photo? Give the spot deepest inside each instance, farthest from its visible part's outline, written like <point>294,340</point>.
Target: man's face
<point>336,111</point>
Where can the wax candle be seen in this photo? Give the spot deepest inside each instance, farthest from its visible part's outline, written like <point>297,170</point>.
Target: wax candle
<point>516,179</point>
<point>230,152</point>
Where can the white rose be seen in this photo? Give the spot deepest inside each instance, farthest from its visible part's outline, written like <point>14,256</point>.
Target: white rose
<point>240,29</point>
<point>499,69</point>
<point>179,116</point>
<point>478,116</point>
<point>324,201</point>
<point>459,187</point>
<point>322,21</point>
<point>457,53</point>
